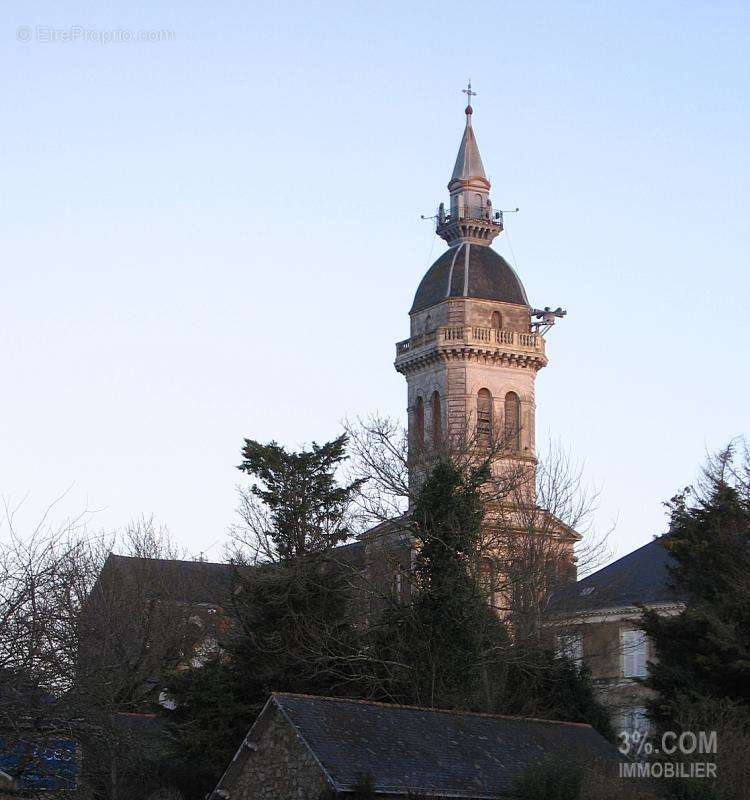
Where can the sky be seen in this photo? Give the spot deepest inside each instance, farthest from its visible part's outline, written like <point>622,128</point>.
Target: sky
<point>210,230</point>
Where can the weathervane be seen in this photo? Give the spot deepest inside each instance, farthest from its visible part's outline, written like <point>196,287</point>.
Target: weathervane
<point>469,94</point>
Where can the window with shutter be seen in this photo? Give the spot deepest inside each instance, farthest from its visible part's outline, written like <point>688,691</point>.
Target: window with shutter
<point>633,720</point>
<point>633,647</point>
<point>570,645</point>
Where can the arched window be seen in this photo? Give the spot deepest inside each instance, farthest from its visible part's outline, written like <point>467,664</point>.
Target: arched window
<point>497,321</point>
<point>512,431</point>
<point>484,418</point>
<point>428,324</point>
<point>437,422</point>
<point>419,422</point>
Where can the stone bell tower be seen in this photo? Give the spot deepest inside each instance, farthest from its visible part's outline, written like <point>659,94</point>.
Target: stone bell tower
<point>473,352</point>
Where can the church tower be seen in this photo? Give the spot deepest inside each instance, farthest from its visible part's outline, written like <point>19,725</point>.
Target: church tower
<point>473,352</point>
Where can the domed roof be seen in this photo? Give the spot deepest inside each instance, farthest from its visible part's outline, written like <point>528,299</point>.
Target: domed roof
<point>469,270</point>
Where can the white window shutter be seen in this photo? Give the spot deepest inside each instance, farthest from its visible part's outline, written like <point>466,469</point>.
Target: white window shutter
<point>571,645</point>
<point>633,646</point>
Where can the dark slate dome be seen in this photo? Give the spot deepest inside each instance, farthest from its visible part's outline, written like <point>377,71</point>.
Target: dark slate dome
<point>469,270</point>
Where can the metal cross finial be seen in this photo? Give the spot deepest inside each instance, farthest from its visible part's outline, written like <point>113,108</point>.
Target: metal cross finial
<point>469,94</point>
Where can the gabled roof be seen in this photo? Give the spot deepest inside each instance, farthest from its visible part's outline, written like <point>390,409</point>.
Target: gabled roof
<point>640,577</point>
<point>440,753</point>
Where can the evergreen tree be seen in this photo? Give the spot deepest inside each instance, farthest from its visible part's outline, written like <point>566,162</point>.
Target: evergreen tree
<point>302,509</point>
<point>290,613</point>
<point>448,648</point>
<point>704,652</point>
<point>538,683</point>
<point>216,705</point>
<point>440,650</point>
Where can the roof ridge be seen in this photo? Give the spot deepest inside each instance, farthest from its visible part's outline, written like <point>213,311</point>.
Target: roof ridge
<point>174,560</point>
<point>454,712</point>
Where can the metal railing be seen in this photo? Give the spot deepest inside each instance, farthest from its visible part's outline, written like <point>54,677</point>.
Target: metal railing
<point>483,213</point>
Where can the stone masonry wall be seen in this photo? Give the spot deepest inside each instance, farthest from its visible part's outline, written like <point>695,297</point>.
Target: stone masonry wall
<point>282,768</point>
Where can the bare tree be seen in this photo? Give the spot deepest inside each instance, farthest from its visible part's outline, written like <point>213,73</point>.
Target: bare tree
<point>537,512</point>
<point>84,635</point>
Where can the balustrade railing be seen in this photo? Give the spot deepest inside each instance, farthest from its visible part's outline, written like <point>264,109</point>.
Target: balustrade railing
<point>472,334</point>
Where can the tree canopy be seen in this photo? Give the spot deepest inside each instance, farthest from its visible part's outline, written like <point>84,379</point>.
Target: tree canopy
<point>704,652</point>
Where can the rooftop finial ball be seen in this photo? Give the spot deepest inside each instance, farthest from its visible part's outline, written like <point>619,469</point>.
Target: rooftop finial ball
<point>469,110</point>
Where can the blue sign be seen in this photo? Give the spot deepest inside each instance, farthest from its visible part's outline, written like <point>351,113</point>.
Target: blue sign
<point>50,764</point>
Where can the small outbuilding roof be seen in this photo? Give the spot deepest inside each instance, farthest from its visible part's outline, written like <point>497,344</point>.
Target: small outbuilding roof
<point>406,749</point>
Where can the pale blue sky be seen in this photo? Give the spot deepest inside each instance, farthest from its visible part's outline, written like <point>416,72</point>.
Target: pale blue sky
<point>218,236</point>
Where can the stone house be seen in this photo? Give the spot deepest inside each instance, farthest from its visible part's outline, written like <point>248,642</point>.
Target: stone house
<point>311,748</point>
<point>596,622</point>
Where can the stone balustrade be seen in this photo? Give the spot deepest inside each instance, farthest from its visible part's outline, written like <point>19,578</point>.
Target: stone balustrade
<point>472,335</point>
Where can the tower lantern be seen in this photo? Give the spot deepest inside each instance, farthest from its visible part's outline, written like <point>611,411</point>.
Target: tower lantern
<point>471,217</point>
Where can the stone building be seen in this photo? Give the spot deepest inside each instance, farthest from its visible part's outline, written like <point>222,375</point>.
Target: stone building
<point>314,748</point>
<point>595,622</point>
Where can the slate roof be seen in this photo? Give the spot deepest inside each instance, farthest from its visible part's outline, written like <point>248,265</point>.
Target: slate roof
<point>440,753</point>
<point>490,277</point>
<point>199,582</point>
<point>468,161</point>
<point>639,577</point>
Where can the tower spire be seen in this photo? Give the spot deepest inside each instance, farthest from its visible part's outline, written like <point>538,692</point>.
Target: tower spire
<point>471,217</point>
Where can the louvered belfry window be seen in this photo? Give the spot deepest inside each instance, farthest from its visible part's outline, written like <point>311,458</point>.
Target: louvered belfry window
<point>512,430</point>
<point>484,418</point>
<point>419,422</point>
<point>437,421</point>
